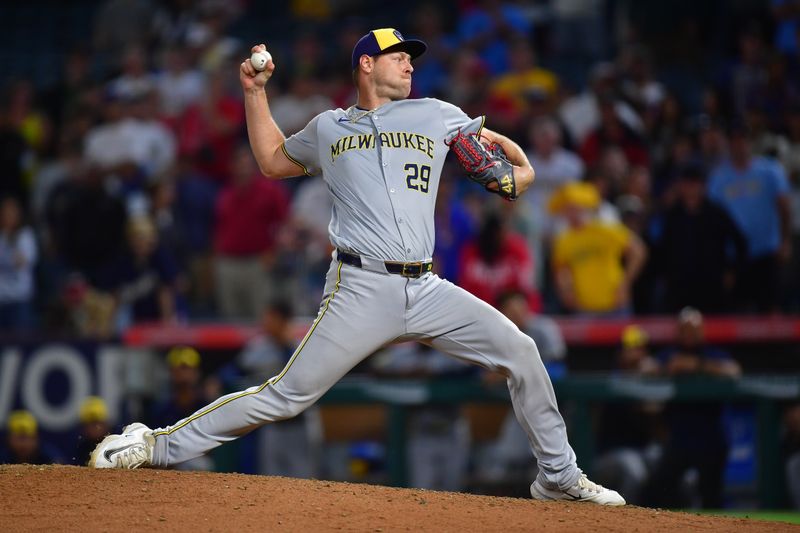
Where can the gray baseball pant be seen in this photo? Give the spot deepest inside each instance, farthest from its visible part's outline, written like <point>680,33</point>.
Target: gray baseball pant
<point>362,311</point>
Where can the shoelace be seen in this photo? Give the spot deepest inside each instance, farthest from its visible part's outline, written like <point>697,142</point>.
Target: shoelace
<point>132,457</point>
<point>585,483</point>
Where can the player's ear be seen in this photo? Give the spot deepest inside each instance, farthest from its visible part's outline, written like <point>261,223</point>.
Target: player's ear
<point>367,63</point>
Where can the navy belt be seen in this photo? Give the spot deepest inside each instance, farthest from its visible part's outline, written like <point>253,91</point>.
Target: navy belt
<point>408,270</point>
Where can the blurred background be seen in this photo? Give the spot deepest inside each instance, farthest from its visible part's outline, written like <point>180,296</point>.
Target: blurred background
<point>146,268</point>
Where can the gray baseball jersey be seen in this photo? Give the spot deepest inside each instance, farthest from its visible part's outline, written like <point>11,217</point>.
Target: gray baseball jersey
<point>382,168</point>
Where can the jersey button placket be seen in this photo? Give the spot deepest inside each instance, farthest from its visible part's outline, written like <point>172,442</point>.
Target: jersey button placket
<point>377,122</point>
<point>385,165</point>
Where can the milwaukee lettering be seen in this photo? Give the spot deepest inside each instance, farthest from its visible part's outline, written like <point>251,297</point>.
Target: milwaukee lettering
<point>391,139</point>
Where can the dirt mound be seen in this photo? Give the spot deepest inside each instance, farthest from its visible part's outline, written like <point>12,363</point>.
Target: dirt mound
<point>64,498</point>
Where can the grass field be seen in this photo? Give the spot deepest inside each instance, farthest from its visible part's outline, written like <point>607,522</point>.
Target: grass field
<point>792,517</point>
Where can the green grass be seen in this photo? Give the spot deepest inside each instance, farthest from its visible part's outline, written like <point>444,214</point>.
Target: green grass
<point>792,517</point>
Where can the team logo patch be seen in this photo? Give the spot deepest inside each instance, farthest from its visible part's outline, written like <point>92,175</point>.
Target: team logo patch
<point>398,34</point>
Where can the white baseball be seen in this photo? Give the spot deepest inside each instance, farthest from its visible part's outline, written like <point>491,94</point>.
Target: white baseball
<point>260,60</point>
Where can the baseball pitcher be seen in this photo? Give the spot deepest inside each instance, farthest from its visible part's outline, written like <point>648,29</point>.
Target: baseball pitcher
<point>381,159</point>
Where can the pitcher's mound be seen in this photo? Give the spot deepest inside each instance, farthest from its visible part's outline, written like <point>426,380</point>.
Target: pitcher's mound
<point>64,498</point>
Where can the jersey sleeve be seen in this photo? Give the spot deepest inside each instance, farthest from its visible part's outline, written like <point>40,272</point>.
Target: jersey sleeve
<point>302,148</point>
<point>455,120</point>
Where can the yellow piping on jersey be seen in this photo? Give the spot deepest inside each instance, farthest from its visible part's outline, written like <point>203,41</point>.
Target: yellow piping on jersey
<point>310,331</point>
<point>295,161</point>
<point>271,381</point>
<point>480,128</point>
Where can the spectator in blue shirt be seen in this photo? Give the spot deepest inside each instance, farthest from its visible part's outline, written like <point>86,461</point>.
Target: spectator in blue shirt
<point>755,192</point>
<point>193,219</point>
<point>145,280</point>
<point>787,23</point>
<point>488,27</point>
<point>696,437</point>
<point>431,70</point>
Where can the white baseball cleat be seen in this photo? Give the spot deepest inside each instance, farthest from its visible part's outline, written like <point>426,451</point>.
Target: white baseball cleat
<point>130,450</point>
<point>583,491</point>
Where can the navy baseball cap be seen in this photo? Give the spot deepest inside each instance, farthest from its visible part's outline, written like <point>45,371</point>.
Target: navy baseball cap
<point>385,40</point>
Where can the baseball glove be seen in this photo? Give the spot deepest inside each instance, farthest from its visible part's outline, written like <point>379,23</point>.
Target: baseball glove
<point>485,164</point>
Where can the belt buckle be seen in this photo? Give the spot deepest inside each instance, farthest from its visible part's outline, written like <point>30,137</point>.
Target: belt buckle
<point>411,274</point>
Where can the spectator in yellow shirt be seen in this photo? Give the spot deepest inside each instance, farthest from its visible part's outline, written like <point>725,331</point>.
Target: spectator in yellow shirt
<point>595,263</point>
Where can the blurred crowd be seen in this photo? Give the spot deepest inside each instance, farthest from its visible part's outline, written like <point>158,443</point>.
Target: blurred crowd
<point>129,193</point>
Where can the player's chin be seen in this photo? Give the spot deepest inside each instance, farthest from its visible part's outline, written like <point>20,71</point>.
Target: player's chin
<point>401,93</point>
